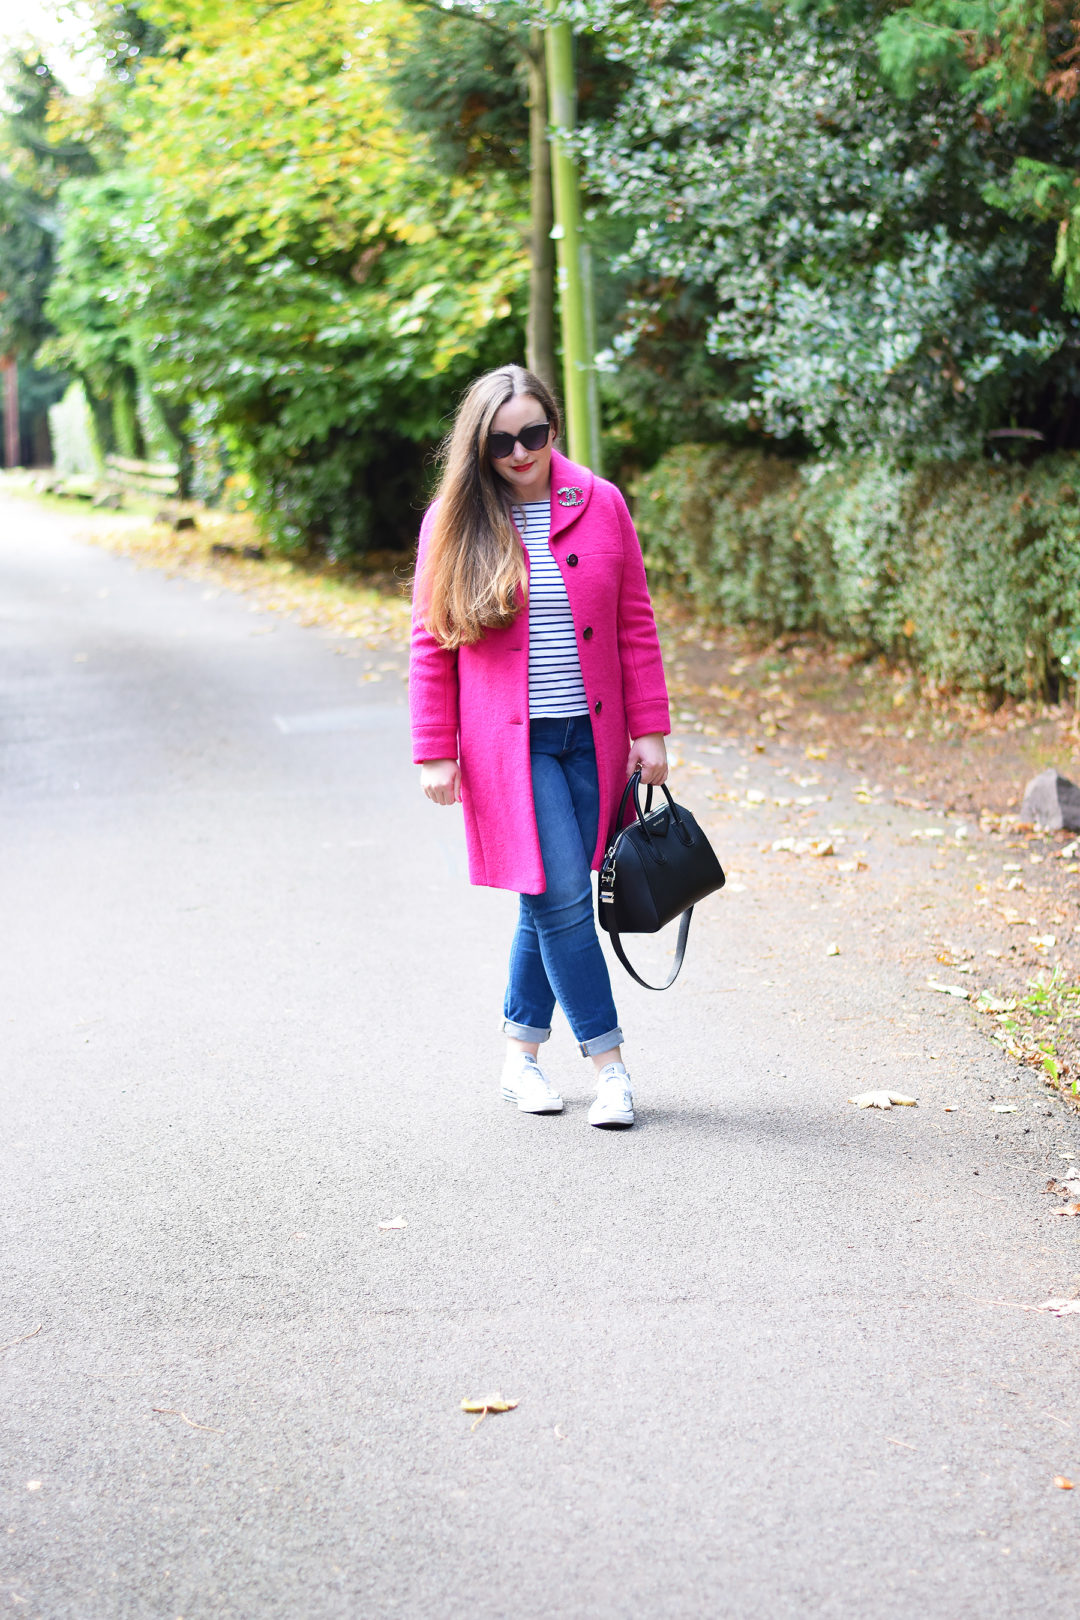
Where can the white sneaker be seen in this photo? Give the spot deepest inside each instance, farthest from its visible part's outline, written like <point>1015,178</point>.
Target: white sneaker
<point>614,1105</point>
<point>525,1083</point>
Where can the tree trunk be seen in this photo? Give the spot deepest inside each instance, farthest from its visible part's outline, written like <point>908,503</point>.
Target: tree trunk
<point>125,414</point>
<point>540,327</point>
<point>12,446</point>
<point>175,419</point>
<point>100,423</point>
<point>575,322</point>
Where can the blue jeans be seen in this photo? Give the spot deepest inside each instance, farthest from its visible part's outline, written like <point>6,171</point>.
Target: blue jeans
<point>556,955</point>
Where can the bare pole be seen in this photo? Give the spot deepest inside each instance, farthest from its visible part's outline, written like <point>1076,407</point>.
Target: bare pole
<point>11,411</point>
<point>575,303</point>
<point>540,325</point>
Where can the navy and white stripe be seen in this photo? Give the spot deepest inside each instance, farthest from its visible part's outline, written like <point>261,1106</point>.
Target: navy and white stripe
<point>555,683</point>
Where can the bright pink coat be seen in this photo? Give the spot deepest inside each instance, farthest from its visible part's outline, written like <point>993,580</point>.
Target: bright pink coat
<point>473,704</point>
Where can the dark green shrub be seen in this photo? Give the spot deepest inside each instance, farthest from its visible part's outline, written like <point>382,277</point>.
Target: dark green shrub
<point>970,571</point>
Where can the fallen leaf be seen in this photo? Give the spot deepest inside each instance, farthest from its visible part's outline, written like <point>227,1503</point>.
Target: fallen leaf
<point>802,846</point>
<point>832,950</point>
<point>1060,1307</point>
<point>883,1099</point>
<point>948,989</point>
<point>396,1225</point>
<point>1072,1209</point>
<point>1063,1484</point>
<point>483,1404</point>
<point>1003,1108</point>
<point>488,1403</point>
<point>994,1004</point>
<point>1042,942</point>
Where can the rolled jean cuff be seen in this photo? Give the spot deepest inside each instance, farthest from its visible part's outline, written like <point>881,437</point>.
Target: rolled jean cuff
<point>601,1043</point>
<point>522,1032</point>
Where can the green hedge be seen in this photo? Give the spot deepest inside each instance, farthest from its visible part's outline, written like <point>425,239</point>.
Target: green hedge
<point>969,571</point>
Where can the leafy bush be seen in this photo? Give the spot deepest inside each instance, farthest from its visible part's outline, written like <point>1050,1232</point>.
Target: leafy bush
<point>280,272</point>
<point>828,251</point>
<point>970,571</point>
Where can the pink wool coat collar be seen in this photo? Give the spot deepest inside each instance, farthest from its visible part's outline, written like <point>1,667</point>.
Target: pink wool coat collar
<point>472,704</point>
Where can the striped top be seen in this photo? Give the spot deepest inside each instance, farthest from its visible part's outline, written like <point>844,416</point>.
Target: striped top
<point>555,683</point>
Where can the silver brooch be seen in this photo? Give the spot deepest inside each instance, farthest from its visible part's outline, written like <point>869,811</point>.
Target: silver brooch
<point>570,495</point>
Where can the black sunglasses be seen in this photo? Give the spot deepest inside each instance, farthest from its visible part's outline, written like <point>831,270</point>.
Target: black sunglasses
<point>533,437</point>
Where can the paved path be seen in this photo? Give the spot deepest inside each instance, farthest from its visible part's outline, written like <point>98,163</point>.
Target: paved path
<point>249,1011</point>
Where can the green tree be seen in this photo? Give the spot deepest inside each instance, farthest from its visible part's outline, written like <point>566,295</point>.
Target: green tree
<point>294,269</point>
<point>826,245</point>
<point>52,145</point>
<point>35,159</point>
<point>473,77</point>
<point>90,305</point>
<point>34,162</point>
<point>1016,63</point>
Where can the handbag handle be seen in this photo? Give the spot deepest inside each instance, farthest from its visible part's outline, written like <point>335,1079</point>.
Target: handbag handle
<point>680,952</point>
<point>633,783</point>
<point>632,786</point>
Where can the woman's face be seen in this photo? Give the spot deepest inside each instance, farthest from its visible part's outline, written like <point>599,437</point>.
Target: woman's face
<point>528,472</point>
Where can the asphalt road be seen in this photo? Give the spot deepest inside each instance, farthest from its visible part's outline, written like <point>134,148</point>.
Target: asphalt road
<point>250,1009</point>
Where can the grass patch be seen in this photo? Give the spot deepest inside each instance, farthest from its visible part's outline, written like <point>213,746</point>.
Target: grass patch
<point>1039,1029</point>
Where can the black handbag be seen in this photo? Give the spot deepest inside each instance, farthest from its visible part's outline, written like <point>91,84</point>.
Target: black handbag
<point>659,865</point>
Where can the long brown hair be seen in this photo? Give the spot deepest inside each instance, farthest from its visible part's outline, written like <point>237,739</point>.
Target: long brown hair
<point>474,563</point>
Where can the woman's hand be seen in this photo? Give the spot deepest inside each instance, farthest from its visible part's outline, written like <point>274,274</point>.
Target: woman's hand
<point>441,780</point>
<point>650,754</point>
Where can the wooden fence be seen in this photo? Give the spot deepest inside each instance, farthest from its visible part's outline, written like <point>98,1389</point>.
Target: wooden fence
<point>144,477</point>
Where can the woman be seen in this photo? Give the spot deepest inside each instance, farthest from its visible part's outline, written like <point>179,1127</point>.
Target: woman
<point>533,718</point>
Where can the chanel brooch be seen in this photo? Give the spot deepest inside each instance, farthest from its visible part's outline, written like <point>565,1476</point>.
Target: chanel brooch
<point>570,495</point>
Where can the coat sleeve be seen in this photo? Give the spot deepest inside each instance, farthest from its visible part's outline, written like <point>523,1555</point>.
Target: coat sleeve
<point>644,688</point>
<point>433,684</point>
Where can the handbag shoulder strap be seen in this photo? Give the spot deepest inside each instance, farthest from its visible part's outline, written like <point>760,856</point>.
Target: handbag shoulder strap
<point>680,952</point>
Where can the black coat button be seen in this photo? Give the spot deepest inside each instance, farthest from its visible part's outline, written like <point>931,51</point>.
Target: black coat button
<point>587,633</point>
<point>571,561</point>
<point>597,706</point>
